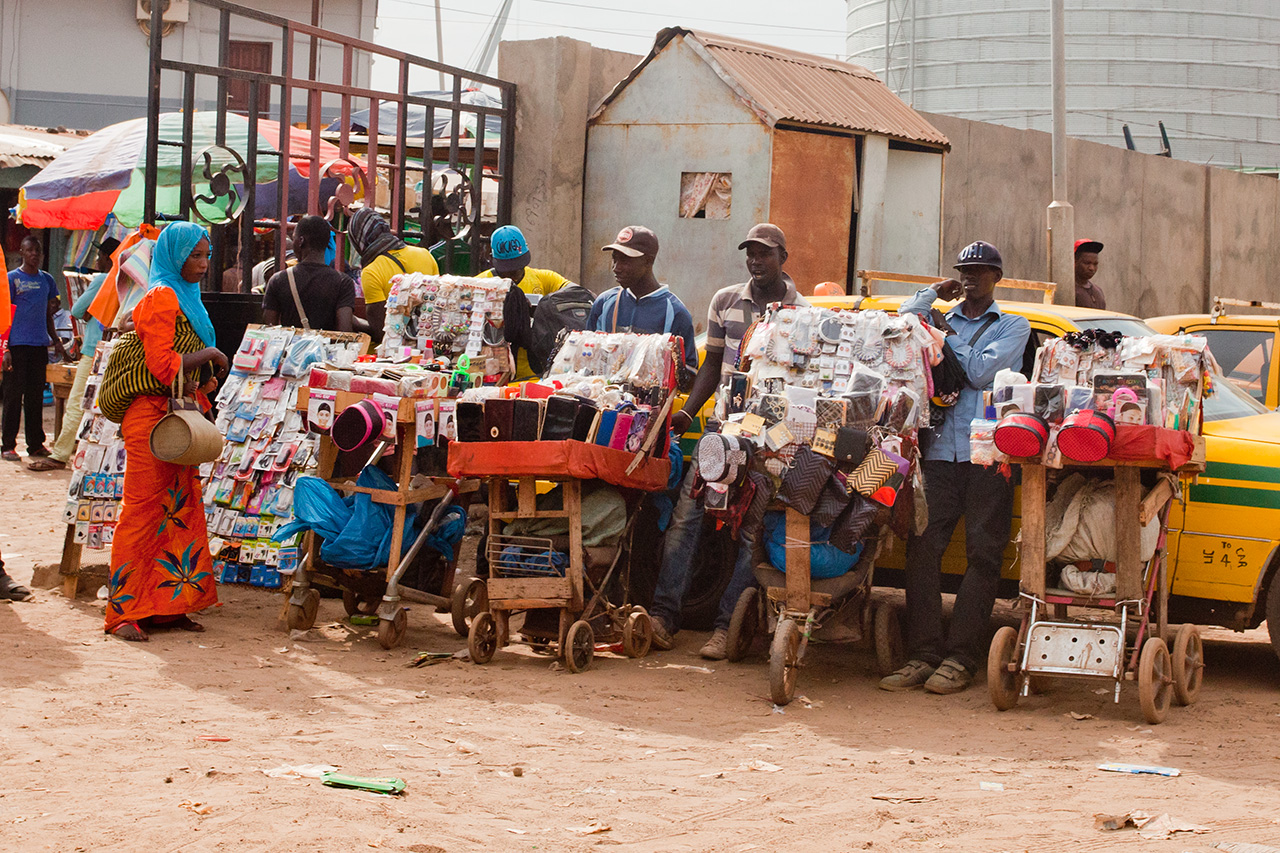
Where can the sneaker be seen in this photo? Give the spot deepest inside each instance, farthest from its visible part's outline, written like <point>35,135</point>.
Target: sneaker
<point>39,451</point>
<point>717,648</point>
<point>11,589</point>
<point>911,676</point>
<point>10,456</point>
<point>662,638</point>
<point>949,677</point>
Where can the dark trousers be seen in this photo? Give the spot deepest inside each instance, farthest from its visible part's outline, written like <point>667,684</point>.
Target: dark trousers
<point>24,397</point>
<point>985,498</point>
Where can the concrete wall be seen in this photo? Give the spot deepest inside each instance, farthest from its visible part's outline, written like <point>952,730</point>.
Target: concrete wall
<point>53,76</point>
<point>636,152</point>
<point>559,81</point>
<point>1174,232</point>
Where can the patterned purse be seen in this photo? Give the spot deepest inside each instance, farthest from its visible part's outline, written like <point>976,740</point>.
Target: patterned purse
<point>874,472</point>
<point>832,501</point>
<point>853,523</point>
<point>831,412</point>
<point>804,481</point>
<point>772,407</point>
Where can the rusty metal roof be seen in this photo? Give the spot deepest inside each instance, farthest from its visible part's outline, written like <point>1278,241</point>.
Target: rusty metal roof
<point>32,146</point>
<point>787,85</point>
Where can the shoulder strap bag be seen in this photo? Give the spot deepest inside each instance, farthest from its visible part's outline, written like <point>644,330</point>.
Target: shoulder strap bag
<point>297,301</point>
<point>185,436</point>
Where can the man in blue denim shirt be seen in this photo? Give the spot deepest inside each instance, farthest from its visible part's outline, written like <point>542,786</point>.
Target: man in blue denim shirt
<point>985,340</point>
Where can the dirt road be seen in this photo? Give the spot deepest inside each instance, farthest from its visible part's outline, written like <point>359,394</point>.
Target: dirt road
<point>162,746</point>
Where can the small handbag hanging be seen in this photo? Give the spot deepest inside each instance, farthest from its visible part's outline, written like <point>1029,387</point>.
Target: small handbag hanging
<point>185,436</point>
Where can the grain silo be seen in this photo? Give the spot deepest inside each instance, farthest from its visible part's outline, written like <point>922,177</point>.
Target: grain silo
<point>1209,70</point>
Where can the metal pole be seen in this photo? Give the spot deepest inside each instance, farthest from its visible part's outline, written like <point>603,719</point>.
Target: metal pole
<point>1061,231</point>
<point>153,116</point>
<point>888,17</point>
<point>912,78</point>
<point>439,44</point>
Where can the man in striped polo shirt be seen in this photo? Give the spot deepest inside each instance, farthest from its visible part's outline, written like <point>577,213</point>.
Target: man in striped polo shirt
<point>732,311</point>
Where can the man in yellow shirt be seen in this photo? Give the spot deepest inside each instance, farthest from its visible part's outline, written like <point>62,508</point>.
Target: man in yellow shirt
<point>511,261</point>
<point>383,255</point>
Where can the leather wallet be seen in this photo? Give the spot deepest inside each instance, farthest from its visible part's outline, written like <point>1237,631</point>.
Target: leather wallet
<point>469,422</point>
<point>873,473</point>
<point>831,502</point>
<point>557,421</point>
<point>621,429</point>
<point>604,432</point>
<point>852,444</point>
<point>583,421</point>
<point>852,524</point>
<point>498,418</point>
<point>526,420</point>
<point>803,482</point>
<point>831,411</point>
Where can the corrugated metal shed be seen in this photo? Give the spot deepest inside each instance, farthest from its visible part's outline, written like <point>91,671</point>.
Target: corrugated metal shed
<point>785,85</point>
<point>32,146</point>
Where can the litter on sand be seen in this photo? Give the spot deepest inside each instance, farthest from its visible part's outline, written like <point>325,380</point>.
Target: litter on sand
<point>363,783</point>
<point>299,771</point>
<point>898,799</point>
<point>1076,715</point>
<point>593,828</point>
<point>990,786</point>
<point>193,806</point>
<point>1238,847</point>
<point>1146,769</point>
<point>1151,828</point>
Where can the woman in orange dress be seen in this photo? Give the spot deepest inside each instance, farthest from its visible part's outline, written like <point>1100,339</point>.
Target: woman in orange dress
<point>161,569</point>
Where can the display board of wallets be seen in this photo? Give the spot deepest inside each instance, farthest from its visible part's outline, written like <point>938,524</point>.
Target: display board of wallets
<point>434,316</point>
<point>248,490</point>
<point>97,467</point>
<point>1085,384</point>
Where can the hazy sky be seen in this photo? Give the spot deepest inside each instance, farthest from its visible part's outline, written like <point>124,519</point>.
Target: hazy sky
<point>814,26</point>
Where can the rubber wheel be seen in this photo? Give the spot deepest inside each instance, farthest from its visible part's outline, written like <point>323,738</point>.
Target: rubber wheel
<point>391,631</point>
<point>482,638</point>
<point>744,624</point>
<point>637,634</point>
<point>469,598</point>
<point>580,647</point>
<point>1188,664</point>
<point>303,616</point>
<point>1155,680</point>
<point>357,605</point>
<point>886,630</point>
<point>784,661</point>
<point>1003,684</point>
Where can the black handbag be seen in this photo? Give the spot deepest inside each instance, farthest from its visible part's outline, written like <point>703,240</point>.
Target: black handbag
<point>804,481</point>
<point>853,523</point>
<point>557,422</point>
<point>852,444</point>
<point>832,501</point>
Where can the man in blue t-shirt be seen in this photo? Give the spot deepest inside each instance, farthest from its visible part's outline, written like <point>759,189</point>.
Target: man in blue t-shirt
<point>35,300</point>
<point>639,303</point>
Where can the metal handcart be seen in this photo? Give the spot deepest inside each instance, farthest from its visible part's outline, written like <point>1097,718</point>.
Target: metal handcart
<point>1049,644</point>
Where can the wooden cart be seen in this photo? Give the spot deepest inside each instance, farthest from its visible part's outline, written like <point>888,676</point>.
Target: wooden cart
<point>1049,644</point>
<point>304,600</point>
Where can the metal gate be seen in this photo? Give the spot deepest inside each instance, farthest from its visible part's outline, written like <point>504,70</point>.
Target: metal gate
<point>218,184</point>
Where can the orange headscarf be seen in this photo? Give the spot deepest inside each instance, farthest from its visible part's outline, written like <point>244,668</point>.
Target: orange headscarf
<point>106,305</point>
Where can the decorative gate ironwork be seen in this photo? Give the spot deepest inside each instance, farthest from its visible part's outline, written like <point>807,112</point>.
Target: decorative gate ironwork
<point>218,184</point>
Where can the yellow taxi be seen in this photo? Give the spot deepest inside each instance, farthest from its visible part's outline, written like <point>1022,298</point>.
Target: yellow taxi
<point>1224,542</point>
<point>1243,344</point>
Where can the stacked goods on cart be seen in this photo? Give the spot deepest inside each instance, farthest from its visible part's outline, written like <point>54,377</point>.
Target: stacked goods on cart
<point>459,320</point>
<point>97,468</point>
<point>249,489</point>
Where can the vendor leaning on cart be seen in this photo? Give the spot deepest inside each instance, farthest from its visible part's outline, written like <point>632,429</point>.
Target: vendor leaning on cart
<point>985,340</point>
<point>640,303</point>
<point>511,259</point>
<point>732,311</point>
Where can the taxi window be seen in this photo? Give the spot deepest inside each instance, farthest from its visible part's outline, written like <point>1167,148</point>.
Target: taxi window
<point>1123,325</point>
<point>1229,401</point>
<point>1245,357</point>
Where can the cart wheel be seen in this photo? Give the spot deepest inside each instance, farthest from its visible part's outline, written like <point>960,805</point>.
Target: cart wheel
<point>744,624</point>
<point>482,639</point>
<point>637,634</point>
<point>1188,664</point>
<point>1002,683</point>
<point>580,647</point>
<point>391,631</point>
<point>784,661</point>
<point>887,631</point>
<point>303,616</point>
<point>1155,680</point>
<point>469,599</point>
<point>357,605</point>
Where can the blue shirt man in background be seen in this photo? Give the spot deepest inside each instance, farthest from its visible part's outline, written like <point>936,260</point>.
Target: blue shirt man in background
<point>34,295</point>
<point>985,340</point>
<point>639,303</point>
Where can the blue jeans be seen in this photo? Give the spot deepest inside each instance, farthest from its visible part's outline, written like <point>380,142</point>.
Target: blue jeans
<point>679,550</point>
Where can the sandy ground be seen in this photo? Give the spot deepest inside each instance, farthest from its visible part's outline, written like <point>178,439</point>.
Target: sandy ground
<point>102,749</point>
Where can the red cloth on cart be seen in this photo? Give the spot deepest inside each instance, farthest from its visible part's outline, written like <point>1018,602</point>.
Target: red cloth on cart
<point>556,460</point>
<point>1138,441</point>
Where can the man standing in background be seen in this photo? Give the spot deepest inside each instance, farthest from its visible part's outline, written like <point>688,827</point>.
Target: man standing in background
<point>34,296</point>
<point>1088,294</point>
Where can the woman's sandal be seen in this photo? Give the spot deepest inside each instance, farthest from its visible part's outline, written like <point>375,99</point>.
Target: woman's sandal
<point>131,632</point>
<point>182,623</point>
<point>45,464</point>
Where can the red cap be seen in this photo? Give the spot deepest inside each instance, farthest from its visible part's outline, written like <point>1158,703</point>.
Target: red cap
<point>1088,246</point>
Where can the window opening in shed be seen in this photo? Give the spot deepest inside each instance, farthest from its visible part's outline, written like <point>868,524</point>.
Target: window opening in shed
<point>705,195</point>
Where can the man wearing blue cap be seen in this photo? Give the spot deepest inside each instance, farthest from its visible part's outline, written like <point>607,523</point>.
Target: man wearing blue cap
<point>985,340</point>
<point>511,258</point>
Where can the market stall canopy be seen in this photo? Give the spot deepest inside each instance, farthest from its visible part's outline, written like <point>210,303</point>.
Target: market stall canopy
<point>416,120</point>
<point>33,146</point>
<point>105,173</point>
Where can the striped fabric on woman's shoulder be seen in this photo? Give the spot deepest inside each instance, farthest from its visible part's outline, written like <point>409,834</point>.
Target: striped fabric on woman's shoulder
<point>127,376</point>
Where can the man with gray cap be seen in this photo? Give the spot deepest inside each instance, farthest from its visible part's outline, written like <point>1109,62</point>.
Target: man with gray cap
<point>985,340</point>
<point>640,303</point>
<point>732,311</point>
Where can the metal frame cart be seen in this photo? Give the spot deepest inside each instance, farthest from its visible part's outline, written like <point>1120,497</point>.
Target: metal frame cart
<point>523,574</point>
<point>304,600</point>
<point>798,609</point>
<point>1049,644</point>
